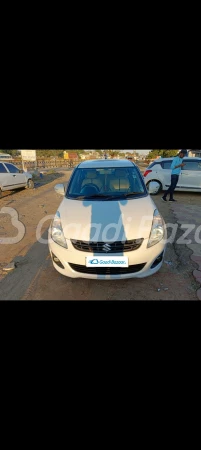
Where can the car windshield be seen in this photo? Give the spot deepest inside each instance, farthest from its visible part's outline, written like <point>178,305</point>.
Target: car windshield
<point>106,184</point>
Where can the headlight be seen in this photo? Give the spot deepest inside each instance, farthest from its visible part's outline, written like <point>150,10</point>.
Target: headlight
<point>157,230</point>
<point>57,234</point>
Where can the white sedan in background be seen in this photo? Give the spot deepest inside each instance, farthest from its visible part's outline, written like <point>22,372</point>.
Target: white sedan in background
<point>159,171</point>
<point>13,178</point>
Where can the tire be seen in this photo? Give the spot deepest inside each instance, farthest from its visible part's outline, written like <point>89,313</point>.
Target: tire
<point>159,186</point>
<point>30,184</point>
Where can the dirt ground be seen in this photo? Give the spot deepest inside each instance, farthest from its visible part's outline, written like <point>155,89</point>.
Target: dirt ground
<point>34,277</point>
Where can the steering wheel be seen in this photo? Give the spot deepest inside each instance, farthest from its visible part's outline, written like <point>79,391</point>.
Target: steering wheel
<point>93,186</point>
<point>90,189</point>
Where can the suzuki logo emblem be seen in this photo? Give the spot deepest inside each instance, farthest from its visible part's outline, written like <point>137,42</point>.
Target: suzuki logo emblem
<point>106,248</point>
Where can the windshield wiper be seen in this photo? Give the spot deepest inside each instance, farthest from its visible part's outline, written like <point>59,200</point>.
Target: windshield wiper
<point>107,197</point>
<point>99,196</point>
<point>133,193</point>
<point>124,196</point>
<point>86,197</point>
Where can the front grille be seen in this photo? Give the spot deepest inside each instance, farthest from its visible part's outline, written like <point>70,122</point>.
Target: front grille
<point>107,270</point>
<point>114,247</point>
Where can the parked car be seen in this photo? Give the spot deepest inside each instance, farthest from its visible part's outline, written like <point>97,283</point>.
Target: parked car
<point>160,172</point>
<point>13,178</point>
<point>5,157</point>
<point>107,225</point>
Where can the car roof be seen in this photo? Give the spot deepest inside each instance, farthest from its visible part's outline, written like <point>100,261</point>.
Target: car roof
<point>105,163</point>
<point>172,157</point>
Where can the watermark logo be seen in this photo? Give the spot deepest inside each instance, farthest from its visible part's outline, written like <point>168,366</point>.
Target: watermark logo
<point>21,230</point>
<point>125,229</point>
<point>117,261</point>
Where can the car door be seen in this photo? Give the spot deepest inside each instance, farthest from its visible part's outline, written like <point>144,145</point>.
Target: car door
<point>191,174</point>
<point>5,177</point>
<point>17,179</point>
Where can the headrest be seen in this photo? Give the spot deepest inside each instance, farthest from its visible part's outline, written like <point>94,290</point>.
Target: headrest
<point>91,174</point>
<point>121,173</point>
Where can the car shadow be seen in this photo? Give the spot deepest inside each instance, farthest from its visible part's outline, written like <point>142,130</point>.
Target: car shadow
<point>106,217</point>
<point>15,284</point>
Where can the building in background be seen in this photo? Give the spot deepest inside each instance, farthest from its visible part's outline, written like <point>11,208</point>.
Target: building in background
<point>70,155</point>
<point>194,153</point>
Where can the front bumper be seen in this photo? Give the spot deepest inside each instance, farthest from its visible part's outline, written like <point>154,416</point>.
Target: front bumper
<point>143,255</point>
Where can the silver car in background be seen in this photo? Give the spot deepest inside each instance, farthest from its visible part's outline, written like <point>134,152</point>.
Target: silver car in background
<point>13,178</point>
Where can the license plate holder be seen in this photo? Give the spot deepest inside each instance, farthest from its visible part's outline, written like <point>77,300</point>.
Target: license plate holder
<point>107,261</point>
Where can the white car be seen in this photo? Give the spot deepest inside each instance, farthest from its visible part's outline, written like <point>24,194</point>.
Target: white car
<point>160,172</point>
<point>13,178</point>
<point>107,225</point>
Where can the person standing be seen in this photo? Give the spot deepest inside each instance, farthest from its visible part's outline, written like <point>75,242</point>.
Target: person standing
<point>176,167</point>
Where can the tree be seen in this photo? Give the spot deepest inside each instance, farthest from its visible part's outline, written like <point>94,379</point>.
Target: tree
<point>57,153</point>
<point>163,153</point>
<point>135,154</point>
<point>113,153</point>
<point>169,153</point>
<point>10,152</point>
<point>49,153</point>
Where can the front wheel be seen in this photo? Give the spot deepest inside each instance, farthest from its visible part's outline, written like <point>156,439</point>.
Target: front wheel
<point>158,188</point>
<point>30,184</point>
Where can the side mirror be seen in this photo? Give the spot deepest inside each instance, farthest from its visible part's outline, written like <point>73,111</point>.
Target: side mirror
<point>21,171</point>
<point>153,187</point>
<point>59,189</point>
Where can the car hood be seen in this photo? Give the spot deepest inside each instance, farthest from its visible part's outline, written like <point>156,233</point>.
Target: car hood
<point>103,221</point>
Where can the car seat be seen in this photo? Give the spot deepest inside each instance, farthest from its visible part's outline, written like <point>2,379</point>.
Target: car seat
<point>119,181</point>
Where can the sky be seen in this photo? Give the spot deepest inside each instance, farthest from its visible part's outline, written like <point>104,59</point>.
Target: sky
<point>139,151</point>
